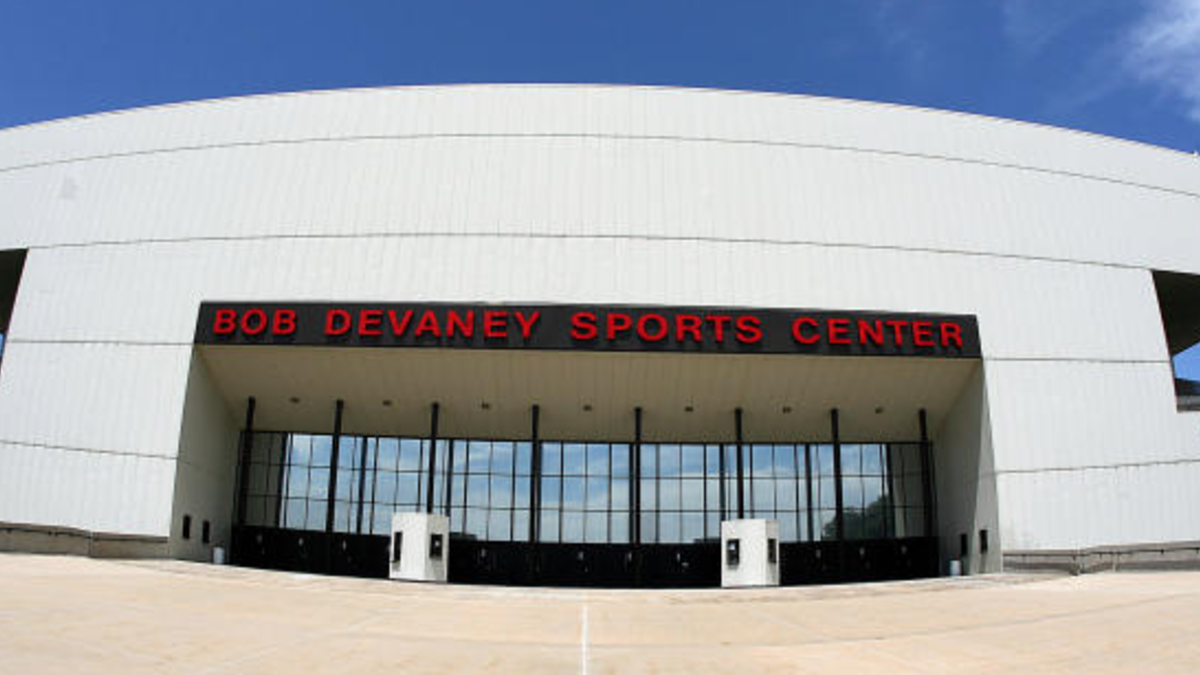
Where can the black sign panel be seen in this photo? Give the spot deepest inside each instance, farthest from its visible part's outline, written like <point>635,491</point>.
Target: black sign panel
<point>589,328</point>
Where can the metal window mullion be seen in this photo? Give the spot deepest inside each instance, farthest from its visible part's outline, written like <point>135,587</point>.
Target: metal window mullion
<point>333,465</point>
<point>433,439</point>
<point>562,479</point>
<point>808,496</point>
<point>466,488</point>
<point>704,489</point>
<point>448,485</point>
<point>839,511</point>
<point>512,494</point>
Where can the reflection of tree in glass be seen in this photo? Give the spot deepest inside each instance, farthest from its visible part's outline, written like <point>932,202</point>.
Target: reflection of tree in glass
<point>869,523</point>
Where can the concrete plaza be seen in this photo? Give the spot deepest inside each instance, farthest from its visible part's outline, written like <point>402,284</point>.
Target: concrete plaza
<point>77,615</point>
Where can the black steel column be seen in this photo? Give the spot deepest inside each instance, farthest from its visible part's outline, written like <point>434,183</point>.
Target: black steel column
<point>889,467</point>
<point>280,479</point>
<point>433,439</point>
<point>535,476</point>
<point>926,473</point>
<point>812,536</point>
<point>635,479</point>
<point>333,464</point>
<point>244,473</point>
<point>362,482</point>
<point>448,485</point>
<point>721,470</point>
<point>839,514</point>
<point>741,501</point>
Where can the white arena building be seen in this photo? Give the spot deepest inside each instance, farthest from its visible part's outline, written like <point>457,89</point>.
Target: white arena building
<point>590,323</point>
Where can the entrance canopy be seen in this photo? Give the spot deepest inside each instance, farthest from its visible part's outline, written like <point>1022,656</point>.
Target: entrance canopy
<point>586,395</point>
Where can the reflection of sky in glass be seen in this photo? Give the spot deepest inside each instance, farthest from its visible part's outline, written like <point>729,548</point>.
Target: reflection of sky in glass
<point>593,500</point>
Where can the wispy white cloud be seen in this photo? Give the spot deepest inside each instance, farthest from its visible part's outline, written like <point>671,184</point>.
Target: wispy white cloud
<point>1162,49</point>
<point>1030,25</point>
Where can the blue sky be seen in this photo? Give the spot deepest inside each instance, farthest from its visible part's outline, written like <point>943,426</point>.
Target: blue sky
<point>1127,68</point>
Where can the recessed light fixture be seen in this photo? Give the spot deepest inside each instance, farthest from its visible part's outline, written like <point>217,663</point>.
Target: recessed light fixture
<point>294,399</point>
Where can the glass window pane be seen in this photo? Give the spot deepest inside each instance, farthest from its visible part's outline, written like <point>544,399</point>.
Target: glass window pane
<point>712,525</point>
<point>524,454</point>
<point>668,458</point>
<point>550,493</point>
<point>787,526</point>
<point>499,525</point>
<point>762,460</point>
<point>852,492</point>
<point>669,494</point>
<point>322,448</point>
<point>826,529</point>
<point>296,481</point>
<point>851,460</point>
<point>713,459</point>
<point>551,459</point>
<point>293,513</point>
<point>347,485</point>
<point>389,453</point>
<point>573,493</point>
<point>828,496</point>
<point>520,525</point>
<point>315,519</point>
<point>692,494</point>
<point>872,491</point>
<point>619,493</point>
<point>379,522</point>
<point>785,494</point>
<point>476,523</point>
<point>503,455</point>
<point>349,451</point>
<point>597,459</point>
<point>693,460</point>
<point>620,459</point>
<point>479,456</point>
<point>649,527</point>
<point>300,450</point>
<point>573,459</point>
<point>521,497</point>
<point>596,527</point>
<point>649,495</point>
<point>572,526</point>
<point>410,454</point>
<point>872,460</point>
<point>823,466</point>
<point>318,484</point>
<point>548,527</point>
<point>502,487</point>
<point>693,527</point>
<point>785,461</point>
<point>477,490</point>
<point>714,495</point>
<point>619,524</point>
<point>457,490</point>
<point>597,494</point>
<point>409,486</point>
<point>648,459</point>
<point>764,497</point>
<point>669,531</point>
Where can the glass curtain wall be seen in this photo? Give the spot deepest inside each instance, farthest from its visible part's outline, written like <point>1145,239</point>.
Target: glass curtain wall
<point>585,488</point>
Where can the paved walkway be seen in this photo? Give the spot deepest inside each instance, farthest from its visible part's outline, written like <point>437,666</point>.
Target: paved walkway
<point>74,615</point>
